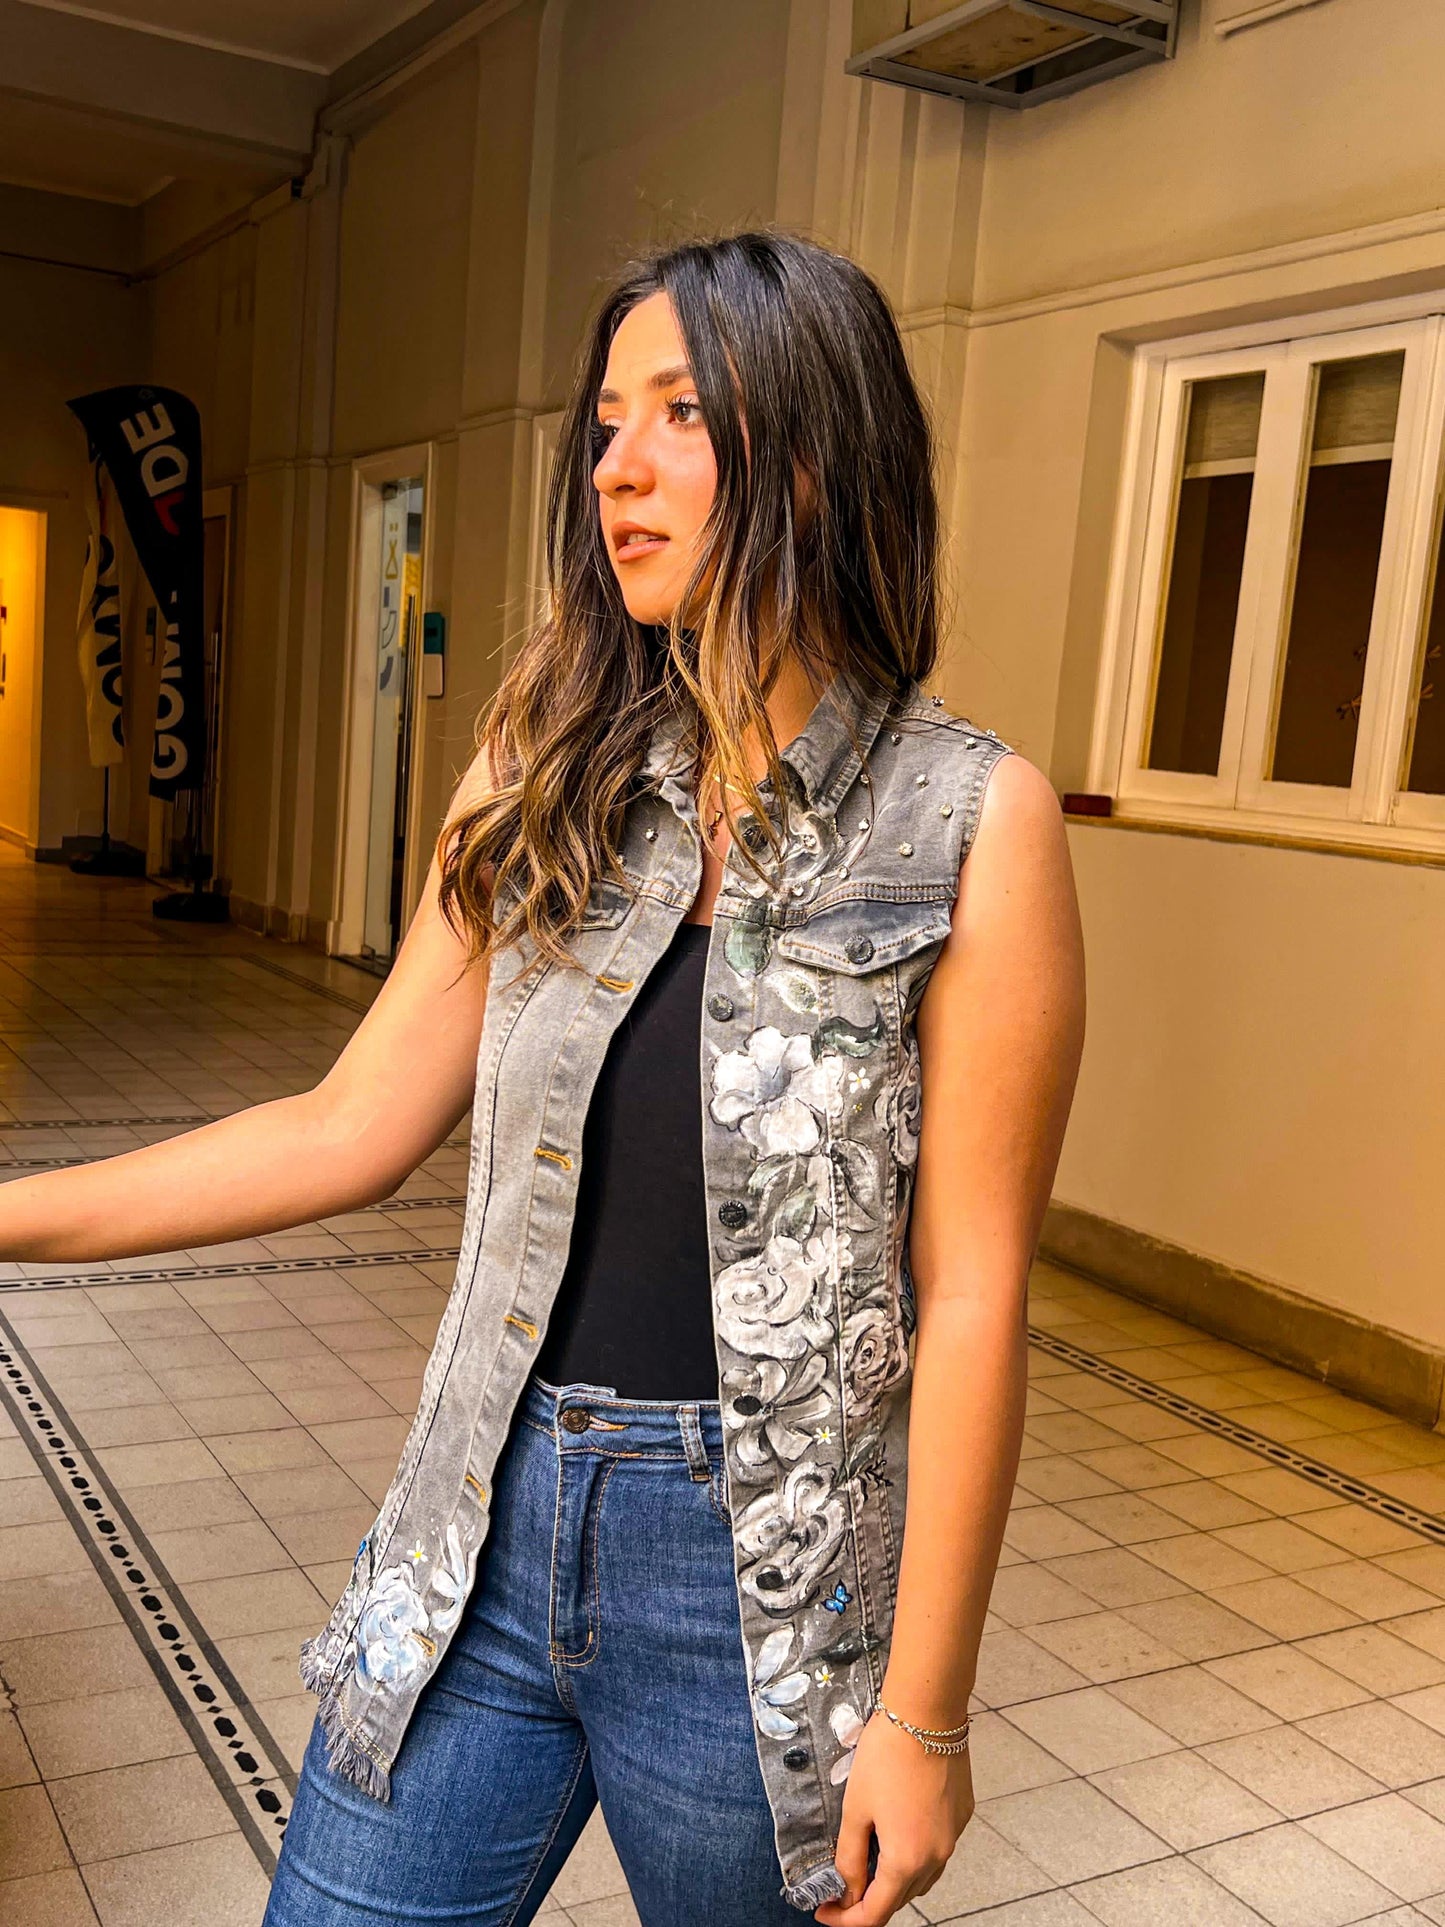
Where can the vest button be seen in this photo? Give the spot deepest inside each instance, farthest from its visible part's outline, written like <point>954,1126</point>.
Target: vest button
<point>576,1420</point>
<point>796,1758</point>
<point>732,1214</point>
<point>720,1007</point>
<point>858,949</point>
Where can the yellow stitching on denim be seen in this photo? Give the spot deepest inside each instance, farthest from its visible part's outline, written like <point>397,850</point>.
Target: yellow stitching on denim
<point>617,983</point>
<point>422,1640</point>
<point>475,1483</point>
<point>522,1324</point>
<point>557,1157</point>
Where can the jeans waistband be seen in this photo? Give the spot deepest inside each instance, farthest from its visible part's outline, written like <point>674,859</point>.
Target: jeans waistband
<point>592,1418</point>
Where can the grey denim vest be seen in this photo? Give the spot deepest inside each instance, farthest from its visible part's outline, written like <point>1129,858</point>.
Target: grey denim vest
<point>811,1110</point>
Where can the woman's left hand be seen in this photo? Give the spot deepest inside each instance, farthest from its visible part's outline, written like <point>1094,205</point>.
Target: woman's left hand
<point>917,1803</point>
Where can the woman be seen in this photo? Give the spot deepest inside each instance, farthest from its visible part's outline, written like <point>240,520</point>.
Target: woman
<point>723,899</point>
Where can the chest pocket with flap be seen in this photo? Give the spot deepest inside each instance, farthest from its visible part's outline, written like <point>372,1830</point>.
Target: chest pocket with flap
<point>864,933</point>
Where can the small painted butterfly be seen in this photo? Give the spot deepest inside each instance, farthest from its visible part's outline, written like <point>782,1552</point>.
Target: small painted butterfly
<point>839,1600</point>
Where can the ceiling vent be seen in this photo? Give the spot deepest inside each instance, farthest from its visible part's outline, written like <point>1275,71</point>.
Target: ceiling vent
<point>1012,53</point>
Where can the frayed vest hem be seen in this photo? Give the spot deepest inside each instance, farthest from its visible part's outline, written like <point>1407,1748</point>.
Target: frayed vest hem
<point>824,1883</point>
<point>346,1752</point>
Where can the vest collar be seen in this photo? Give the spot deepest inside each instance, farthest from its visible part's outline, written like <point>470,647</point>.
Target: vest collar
<point>822,755</point>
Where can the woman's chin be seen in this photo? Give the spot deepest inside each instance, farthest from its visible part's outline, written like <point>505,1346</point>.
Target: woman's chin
<point>645,608</point>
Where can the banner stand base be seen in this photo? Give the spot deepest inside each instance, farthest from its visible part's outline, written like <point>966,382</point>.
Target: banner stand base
<point>193,906</point>
<point>110,863</point>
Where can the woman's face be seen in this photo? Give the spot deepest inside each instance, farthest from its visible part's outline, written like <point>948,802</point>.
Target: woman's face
<point>657,475</point>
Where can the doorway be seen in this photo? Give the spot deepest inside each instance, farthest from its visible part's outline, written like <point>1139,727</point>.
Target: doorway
<point>385,717</point>
<point>22,577</point>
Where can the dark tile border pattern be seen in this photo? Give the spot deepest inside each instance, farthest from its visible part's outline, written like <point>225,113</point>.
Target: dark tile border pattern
<point>237,1749</point>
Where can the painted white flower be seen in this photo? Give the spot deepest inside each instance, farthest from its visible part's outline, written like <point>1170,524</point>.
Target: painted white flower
<point>769,1408</point>
<point>770,1693</point>
<point>773,1091</point>
<point>875,1355</point>
<point>450,1580</point>
<point>791,1536</point>
<point>386,1650</point>
<point>768,1306</point>
<point>847,1731</point>
<point>898,1107</point>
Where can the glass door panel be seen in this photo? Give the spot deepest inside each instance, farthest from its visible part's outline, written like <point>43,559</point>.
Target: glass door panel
<point>398,605</point>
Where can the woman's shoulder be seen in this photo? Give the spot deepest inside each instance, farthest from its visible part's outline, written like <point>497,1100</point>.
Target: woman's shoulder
<point>1006,798</point>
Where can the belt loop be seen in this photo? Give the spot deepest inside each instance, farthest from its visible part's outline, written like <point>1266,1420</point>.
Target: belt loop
<point>690,1426</point>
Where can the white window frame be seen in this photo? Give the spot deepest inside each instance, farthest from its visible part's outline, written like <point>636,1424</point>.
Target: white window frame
<point>1372,813</point>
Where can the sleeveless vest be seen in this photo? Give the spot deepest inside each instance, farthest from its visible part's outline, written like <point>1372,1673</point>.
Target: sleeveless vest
<point>812,1104</point>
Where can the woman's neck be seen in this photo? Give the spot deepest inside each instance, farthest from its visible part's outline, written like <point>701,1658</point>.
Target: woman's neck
<point>790,702</point>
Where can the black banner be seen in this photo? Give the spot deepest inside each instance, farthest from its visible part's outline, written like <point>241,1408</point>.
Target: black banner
<point>150,442</point>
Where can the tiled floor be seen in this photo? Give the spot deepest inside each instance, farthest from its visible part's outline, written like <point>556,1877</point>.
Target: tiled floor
<point>1212,1688</point>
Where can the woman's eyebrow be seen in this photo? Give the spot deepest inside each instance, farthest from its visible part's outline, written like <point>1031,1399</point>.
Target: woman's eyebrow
<point>664,378</point>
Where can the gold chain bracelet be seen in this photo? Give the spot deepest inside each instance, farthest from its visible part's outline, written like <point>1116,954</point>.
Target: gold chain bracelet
<point>933,1739</point>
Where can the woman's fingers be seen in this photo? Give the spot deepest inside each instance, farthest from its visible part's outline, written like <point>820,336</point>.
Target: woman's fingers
<point>885,1893</point>
<point>855,1836</point>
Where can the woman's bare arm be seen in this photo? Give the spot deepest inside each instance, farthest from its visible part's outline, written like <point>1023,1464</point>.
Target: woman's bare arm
<point>401,1085</point>
<point>1000,1033</point>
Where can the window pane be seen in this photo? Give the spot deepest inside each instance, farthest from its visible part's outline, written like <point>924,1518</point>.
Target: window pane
<point>1206,564</point>
<point>1336,566</point>
<point>1427,752</point>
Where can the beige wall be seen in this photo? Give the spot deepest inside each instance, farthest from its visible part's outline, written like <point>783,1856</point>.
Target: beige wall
<point>404,258</point>
<point>1262,1079</point>
<point>1315,122</point>
<point>668,124</point>
<point>63,332</point>
<point>22,544</point>
<point>1265,1074</point>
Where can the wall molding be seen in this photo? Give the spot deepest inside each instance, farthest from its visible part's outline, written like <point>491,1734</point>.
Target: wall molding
<point>1350,1354</point>
<point>1241,14</point>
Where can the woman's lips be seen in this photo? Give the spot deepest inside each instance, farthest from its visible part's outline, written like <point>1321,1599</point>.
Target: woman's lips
<point>632,551</point>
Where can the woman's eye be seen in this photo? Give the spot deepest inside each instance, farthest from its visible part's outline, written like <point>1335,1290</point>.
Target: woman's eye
<point>691,413</point>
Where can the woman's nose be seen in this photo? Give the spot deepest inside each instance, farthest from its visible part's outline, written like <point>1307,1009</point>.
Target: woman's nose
<point>624,464</point>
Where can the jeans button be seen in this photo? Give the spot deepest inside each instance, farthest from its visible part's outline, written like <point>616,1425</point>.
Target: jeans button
<point>576,1420</point>
<point>720,1007</point>
<point>858,949</point>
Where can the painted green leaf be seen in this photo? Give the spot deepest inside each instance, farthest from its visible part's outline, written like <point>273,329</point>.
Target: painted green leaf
<point>766,1169</point>
<point>797,1212</point>
<point>866,1455</point>
<point>851,1646</point>
<point>797,990</point>
<point>747,947</point>
<point>860,1173</point>
<point>838,1034</point>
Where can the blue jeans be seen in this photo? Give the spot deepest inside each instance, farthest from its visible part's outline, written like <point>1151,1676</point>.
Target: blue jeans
<point>600,1657</point>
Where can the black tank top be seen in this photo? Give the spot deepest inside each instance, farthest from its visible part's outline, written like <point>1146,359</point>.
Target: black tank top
<point>634,1308</point>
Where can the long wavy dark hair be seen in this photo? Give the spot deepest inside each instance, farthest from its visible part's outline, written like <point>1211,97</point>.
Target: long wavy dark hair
<point>821,544</point>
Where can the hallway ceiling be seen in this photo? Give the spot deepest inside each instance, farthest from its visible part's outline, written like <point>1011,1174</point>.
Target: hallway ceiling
<point>317,35</point>
<point>112,102</point>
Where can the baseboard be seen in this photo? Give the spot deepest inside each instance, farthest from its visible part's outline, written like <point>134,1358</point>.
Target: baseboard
<point>286,926</point>
<point>1372,1362</point>
<point>18,837</point>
